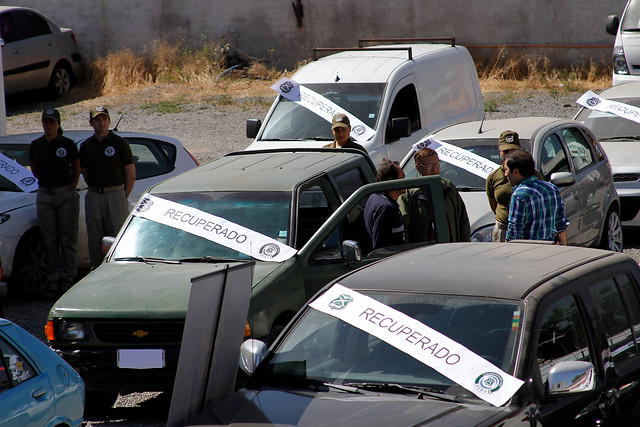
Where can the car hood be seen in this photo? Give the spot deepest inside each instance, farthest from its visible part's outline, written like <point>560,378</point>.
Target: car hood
<point>12,200</point>
<point>335,408</point>
<point>139,290</point>
<point>478,209</point>
<point>623,155</point>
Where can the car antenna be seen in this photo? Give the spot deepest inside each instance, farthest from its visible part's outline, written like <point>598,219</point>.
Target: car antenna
<point>115,128</point>
<point>481,123</point>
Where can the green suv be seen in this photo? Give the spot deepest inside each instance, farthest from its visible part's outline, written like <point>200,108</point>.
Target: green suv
<point>297,213</point>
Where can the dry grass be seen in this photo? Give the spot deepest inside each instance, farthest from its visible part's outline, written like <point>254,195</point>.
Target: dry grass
<point>204,74</point>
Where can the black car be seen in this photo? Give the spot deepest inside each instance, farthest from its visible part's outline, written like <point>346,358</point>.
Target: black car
<point>559,325</point>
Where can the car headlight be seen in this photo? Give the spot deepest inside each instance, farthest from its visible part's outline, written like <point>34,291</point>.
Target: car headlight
<point>483,234</point>
<point>71,331</point>
<point>619,61</point>
<point>4,218</point>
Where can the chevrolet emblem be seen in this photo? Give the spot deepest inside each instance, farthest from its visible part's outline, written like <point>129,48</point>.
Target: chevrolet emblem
<point>140,333</point>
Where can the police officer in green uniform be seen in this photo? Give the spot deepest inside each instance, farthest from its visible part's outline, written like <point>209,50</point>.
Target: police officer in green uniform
<point>498,188</point>
<point>415,205</point>
<point>341,128</point>
<point>107,165</point>
<point>54,161</point>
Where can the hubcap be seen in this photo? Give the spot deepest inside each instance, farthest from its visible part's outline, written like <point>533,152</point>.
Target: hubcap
<point>614,232</point>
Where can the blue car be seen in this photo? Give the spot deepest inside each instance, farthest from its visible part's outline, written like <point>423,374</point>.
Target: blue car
<point>37,387</point>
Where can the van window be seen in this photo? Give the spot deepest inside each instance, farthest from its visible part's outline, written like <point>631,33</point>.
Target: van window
<point>405,105</point>
<point>291,121</point>
<point>631,19</point>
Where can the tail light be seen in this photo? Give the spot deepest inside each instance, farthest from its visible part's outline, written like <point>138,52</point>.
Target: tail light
<point>48,331</point>
<point>73,37</point>
<point>190,155</point>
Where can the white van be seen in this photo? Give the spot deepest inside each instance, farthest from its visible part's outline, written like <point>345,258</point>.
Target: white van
<point>396,94</point>
<point>626,50</point>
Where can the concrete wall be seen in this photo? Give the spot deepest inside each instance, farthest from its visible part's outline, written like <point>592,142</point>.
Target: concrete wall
<point>268,28</point>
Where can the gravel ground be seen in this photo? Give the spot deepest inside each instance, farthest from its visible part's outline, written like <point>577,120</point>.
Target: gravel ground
<point>209,130</point>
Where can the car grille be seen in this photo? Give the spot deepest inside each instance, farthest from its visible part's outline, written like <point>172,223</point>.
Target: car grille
<point>623,177</point>
<point>139,332</point>
<point>629,208</point>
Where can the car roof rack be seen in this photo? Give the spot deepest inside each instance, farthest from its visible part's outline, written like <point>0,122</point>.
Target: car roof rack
<point>362,42</point>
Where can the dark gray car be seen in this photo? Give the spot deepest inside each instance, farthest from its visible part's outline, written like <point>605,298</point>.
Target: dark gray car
<point>563,320</point>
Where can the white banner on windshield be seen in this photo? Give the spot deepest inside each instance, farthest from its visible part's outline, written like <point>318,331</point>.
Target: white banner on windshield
<point>593,102</point>
<point>18,174</point>
<point>421,342</point>
<point>213,228</point>
<point>460,157</point>
<point>321,106</point>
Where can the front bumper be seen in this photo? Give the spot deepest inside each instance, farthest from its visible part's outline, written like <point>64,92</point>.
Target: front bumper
<point>99,369</point>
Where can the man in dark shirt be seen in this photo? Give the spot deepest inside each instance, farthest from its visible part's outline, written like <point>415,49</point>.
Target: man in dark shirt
<point>107,165</point>
<point>381,213</point>
<point>341,128</point>
<point>54,161</point>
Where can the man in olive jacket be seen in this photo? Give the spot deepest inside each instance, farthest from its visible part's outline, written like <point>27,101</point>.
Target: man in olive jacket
<point>415,205</point>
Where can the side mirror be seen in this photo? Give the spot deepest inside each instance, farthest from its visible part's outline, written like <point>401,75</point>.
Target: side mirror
<point>562,179</point>
<point>253,126</point>
<point>351,251</point>
<point>400,127</point>
<point>571,376</point>
<point>613,22</point>
<point>252,352</point>
<point>107,242</point>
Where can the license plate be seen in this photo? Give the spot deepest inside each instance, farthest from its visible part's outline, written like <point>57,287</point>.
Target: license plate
<point>141,359</point>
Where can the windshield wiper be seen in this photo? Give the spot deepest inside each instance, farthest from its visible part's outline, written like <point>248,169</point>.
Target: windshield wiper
<point>147,260</point>
<point>316,385</point>
<point>207,259</point>
<point>398,388</point>
<point>612,138</point>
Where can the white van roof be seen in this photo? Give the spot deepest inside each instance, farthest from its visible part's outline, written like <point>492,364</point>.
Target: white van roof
<point>368,65</point>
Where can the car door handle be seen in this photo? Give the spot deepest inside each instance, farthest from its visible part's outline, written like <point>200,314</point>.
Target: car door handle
<point>16,51</point>
<point>39,393</point>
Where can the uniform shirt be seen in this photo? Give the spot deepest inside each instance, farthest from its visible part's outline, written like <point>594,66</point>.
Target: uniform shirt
<point>383,221</point>
<point>417,214</point>
<point>536,211</point>
<point>349,144</point>
<point>105,160</point>
<point>53,160</point>
<point>499,189</point>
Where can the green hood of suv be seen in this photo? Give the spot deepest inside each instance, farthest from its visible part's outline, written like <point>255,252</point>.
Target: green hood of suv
<point>139,290</point>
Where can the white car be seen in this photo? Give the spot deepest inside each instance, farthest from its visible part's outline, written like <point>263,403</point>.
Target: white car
<point>620,139</point>
<point>21,251</point>
<point>37,53</point>
<point>565,152</point>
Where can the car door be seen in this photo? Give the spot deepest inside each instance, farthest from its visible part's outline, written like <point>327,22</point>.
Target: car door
<point>26,55</point>
<point>321,258</point>
<point>593,176</point>
<point>552,157</point>
<point>26,396</point>
<point>615,297</point>
<point>562,332</point>
<point>405,104</point>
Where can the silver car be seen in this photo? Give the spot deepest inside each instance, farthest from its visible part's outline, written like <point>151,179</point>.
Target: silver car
<point>565,152</point>
<point>620,139</point>
<point>36,53</point>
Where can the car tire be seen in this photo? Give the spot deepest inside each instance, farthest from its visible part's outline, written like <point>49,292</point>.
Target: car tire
<point>612,232</point>
<point>98,401</point>
<point>28,274</point>
<point>60,82</point>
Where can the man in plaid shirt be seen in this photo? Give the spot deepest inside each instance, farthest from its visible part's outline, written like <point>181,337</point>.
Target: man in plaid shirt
<point>536,211</point>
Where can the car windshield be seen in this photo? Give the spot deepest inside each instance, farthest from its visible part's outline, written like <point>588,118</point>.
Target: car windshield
<point>322,348</point>
<point>461,178</point>
<point>291,121</point>
<point>631,20</point>
<point>18,153</point>
<point>265,212</point>
<point>607,125</point>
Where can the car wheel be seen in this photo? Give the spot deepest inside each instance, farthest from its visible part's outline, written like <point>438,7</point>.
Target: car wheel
<point>98,401</point>
<point>60,83</point>
<point>612,232</point>
<point>28,277</point>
